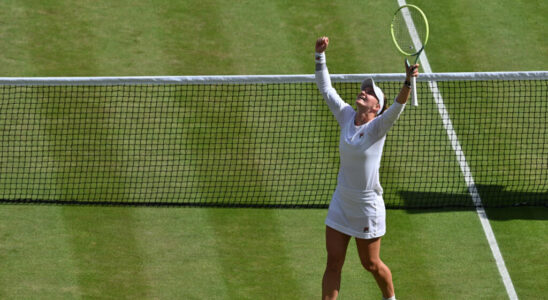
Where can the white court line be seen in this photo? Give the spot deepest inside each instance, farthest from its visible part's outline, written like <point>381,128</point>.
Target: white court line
<point>465,169</point>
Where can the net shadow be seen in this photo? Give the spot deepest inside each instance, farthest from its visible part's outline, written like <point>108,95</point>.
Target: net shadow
<point>506,204</point>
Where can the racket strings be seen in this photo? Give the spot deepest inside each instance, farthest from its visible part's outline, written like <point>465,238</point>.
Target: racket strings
<point>410,30</point>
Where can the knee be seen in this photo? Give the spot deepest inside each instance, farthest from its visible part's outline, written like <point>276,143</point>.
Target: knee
<point>372,266</point>
<point>335,263</point>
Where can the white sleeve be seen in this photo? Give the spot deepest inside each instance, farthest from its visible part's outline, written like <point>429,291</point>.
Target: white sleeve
<point>386,120</point>
<point>340,109</point>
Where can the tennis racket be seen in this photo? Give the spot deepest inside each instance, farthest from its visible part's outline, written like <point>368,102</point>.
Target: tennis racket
<point>409,30</point>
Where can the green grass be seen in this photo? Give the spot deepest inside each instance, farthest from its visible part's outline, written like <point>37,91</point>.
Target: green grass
<point>73,252</point>
<point>520,234</point>
<point>165,253</point>
<point>507,159</point>
<point>103,38</point>
<point>470,36</point>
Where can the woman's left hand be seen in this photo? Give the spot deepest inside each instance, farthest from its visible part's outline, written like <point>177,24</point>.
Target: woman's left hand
<point>411,71</point>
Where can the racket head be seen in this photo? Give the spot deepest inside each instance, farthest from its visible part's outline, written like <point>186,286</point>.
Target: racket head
<point>409,40</point>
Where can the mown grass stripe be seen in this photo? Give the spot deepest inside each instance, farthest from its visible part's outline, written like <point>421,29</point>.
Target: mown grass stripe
<point>105,249</point>
<point>57,38</point>
<point>248,242</point>
<point>181,258</point>
<point>191,38</point>
<point>482,35</point>
<point>449,249</point>
<point>253,258</point>
<point>35,254</point>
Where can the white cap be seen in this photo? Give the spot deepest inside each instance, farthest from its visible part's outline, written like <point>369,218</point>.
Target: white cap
<point>378,92</point>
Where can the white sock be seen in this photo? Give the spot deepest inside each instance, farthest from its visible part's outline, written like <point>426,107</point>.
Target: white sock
<point>391,298</point>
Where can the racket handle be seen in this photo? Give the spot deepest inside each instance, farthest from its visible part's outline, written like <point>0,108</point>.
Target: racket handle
<point>414,101</point>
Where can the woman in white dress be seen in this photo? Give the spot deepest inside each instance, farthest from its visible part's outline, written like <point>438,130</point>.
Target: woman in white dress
<point>357,207</point>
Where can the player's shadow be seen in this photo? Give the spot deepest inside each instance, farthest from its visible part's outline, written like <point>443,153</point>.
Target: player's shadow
<point>500,204</point>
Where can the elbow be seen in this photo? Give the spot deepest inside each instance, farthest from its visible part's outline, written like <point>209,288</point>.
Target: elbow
<point>324,90</point>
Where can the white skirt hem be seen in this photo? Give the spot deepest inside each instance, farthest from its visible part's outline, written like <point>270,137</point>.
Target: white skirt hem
<point>353,233</point>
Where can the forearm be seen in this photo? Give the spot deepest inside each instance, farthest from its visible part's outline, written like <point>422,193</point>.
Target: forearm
<point>410,72</point>
<point>384,122</point>
<point>404,93</point>
<point>330,95</point>
<point>323,81</point>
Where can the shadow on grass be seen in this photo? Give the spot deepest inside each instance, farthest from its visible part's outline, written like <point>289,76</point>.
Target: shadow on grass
<point>504,205</point>
<point>500,204</point>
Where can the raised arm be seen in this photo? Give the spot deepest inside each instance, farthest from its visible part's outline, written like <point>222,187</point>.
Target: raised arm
<point>384,122</point>
<point>340,109</point>
<point>322,74</point>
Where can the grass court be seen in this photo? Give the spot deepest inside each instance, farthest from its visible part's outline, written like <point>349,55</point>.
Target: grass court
<point>103,252</point>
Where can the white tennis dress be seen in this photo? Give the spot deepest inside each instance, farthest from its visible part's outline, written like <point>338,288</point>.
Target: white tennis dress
<point>357,207</point>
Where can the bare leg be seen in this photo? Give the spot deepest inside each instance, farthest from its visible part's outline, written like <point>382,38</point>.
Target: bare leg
<point>336,244</point>
<point>369,251</point>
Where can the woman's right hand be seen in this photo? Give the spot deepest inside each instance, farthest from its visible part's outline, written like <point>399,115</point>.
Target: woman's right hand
<point>321,44</point>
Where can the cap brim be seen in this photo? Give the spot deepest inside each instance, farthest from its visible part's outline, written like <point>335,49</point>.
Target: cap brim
<point>368,83</point>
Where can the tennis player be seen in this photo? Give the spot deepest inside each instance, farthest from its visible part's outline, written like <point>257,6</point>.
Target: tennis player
<point>357,207</point>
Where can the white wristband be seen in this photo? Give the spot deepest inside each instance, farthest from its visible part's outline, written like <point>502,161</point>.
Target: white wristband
<point>320,57</point>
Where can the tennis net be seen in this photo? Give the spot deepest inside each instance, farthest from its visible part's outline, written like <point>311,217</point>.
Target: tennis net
<point>267,141</point>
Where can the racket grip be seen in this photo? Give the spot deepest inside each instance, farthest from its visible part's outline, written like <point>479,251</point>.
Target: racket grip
<point>414,101</point>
